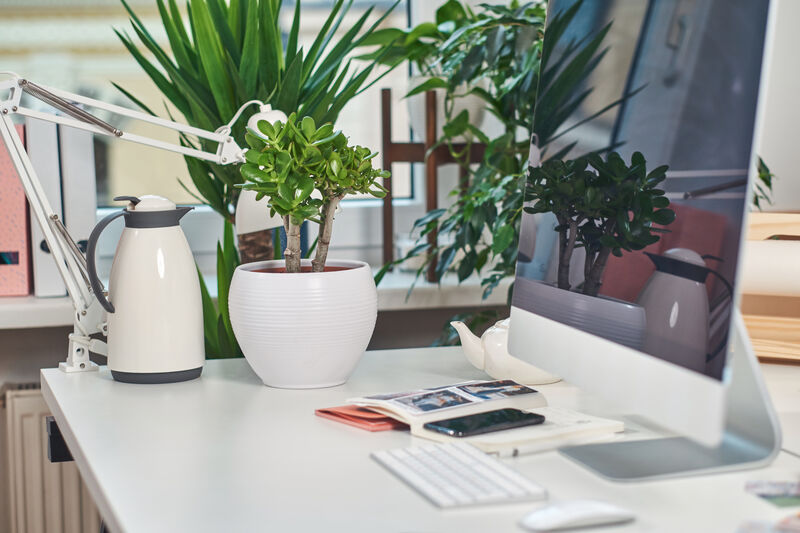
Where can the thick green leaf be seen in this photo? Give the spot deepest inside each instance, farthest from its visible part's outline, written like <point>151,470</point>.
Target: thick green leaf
<point>467,265</point>
<point>291,46</point>
<point>158,78</point>
<point>212,59</point>
<point>209,318</point>
<point>329,27</point>
<point>445,260</point>
<point>224,276</point>
<point>452,10</point>
<point>133,99</point>
<point>383,36</point>
<point>176,42</point>
<point>428,85</point>
<point>503,238</point>
<point>216,9</point>
<point>286,100</point>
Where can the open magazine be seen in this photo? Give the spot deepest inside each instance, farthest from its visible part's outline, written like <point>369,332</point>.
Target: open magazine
<point>561,426</point>
<point>419,407</point>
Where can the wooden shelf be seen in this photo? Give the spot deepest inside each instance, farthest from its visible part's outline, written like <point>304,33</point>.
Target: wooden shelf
<point>31,312</point>
<point>775,338</point>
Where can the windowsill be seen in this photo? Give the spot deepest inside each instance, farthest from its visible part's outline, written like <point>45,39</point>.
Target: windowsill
<point>31,312</point>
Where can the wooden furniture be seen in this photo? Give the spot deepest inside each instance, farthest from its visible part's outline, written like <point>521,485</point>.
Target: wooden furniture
<point>226,453</point>
<point>417,152</point>
<point>773,321</point>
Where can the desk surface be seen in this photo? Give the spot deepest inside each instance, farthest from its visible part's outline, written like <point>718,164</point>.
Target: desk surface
<point>225,453</point>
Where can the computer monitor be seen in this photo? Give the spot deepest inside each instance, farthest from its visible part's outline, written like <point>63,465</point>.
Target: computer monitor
<point>626,276</point>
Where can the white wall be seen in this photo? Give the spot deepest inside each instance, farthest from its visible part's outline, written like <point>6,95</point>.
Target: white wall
<point>778,144</point>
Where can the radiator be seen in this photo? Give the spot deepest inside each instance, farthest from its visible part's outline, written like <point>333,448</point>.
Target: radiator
<point>43,497</point>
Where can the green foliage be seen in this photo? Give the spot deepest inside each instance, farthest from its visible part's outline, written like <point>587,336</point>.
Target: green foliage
<point>295,159</point>
<point>602,205</point>
<point>298,158</point>
<point>220,340</point>
<point>498,55</point>
<point>763,187</point>
<point>234,52</point>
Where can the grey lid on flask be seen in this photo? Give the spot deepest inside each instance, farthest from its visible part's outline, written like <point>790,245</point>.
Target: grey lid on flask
<point>152,212</point>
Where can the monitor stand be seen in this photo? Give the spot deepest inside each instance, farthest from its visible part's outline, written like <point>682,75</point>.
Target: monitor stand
<point>752,433</point>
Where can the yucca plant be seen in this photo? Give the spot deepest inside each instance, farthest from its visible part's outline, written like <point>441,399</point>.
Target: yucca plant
<point>233,53</point>
<point>220,342</point>
<point>223,54</point>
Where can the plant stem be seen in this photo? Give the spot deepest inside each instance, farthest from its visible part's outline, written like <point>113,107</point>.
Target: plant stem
<point>292,252</point>
<point>587,263</point>
<point>591,286</point>
<point>566,247</point>
<point>325,231</point>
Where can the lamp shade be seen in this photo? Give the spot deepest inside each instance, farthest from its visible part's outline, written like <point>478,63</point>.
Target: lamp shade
<point>265,113</point>
<point>253,215</point>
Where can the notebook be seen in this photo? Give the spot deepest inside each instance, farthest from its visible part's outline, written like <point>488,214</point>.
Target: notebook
<point>361,418</point>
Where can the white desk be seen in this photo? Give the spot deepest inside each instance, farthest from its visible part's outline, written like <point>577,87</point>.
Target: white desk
<point>225,453</point>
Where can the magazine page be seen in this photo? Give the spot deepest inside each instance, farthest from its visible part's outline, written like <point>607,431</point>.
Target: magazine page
<point>412,405</point>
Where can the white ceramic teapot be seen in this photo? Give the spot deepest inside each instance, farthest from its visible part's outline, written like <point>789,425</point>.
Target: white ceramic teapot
<point>490,353</point>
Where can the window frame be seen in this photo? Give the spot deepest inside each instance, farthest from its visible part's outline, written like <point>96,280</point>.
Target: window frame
<point>357,234</point>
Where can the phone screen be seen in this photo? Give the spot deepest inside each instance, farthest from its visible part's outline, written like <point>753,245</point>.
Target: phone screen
<point>465,426</point>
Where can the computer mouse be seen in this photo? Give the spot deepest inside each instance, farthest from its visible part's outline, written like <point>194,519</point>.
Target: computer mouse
<point>573,514</point>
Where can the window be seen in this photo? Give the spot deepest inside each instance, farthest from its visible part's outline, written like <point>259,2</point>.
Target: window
<point>70,44</point>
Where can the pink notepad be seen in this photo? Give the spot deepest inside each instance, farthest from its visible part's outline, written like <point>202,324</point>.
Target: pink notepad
<point>360,418</point>
<point>15,273</point>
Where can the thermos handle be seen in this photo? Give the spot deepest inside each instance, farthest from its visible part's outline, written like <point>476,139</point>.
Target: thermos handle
<point>97,287</point>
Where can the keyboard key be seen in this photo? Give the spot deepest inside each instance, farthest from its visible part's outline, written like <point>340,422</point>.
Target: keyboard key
<point>458,474</point>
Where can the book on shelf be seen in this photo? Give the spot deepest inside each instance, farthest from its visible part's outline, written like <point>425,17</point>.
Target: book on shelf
<point>78,183</point>
<point>561,426</point>
<point>15,274</point>
<point>41,143</point>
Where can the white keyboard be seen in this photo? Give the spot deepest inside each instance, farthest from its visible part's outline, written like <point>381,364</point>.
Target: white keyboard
<point>458,474</point>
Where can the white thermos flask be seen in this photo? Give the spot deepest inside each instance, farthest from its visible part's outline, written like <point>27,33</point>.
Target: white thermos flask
<point>155,313</point>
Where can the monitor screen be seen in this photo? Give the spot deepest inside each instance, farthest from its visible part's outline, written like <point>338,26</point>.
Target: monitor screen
<point>639,172</point>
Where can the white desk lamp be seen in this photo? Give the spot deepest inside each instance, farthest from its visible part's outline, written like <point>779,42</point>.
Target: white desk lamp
<point>252,216</point>
<point>89,317</point>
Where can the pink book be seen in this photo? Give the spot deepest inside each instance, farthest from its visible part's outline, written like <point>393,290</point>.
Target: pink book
<point>15,270</point>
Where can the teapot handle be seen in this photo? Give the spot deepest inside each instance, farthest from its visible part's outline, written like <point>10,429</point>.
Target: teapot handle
<point>91,266</point>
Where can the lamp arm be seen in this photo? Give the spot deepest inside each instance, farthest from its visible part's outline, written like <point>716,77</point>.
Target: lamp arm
<point>89,318</point>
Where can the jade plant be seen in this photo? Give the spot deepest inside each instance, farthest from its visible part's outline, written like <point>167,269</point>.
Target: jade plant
<point>289,161</point>
<point>601,204</point>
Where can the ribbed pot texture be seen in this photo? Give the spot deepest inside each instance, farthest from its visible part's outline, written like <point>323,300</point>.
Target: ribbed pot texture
<point>307,330</point>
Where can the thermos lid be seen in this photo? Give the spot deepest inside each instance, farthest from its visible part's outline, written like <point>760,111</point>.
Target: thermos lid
<point>149,202</point>
<point>686,255</point>
<point>150,211</point>
<point>681,262</point>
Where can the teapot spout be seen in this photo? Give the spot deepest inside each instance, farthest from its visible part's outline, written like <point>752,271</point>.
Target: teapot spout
<point>471,344</point>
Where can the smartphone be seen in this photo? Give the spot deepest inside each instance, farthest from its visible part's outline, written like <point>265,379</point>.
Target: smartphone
<point>466,426</point>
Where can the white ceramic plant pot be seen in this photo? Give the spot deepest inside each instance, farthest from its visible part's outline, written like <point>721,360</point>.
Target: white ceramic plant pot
<point>306,330</point>
<point>606,317</point>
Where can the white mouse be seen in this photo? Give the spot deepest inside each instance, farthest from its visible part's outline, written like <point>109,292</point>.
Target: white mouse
<point>573,514</point>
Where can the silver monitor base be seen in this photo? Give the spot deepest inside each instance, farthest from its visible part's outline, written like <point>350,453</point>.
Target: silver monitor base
<point>752,432</point>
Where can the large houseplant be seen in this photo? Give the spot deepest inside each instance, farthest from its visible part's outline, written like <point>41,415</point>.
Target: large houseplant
<point>501,46</point>
<point>231,53</point>
<point>422,46</point>
<point>305,323</point>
